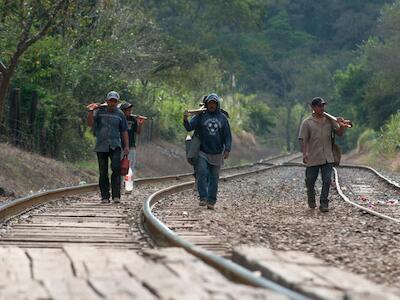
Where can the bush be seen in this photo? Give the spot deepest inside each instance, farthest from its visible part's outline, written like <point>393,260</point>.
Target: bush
<point>389,142</point>
<point>367,140</point>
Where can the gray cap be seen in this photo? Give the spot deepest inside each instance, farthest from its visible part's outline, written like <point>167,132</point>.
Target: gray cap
<point>113,95</point>
<point>317,101</point>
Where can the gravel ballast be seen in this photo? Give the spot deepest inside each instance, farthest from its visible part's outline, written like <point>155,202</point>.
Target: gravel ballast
<point>270,209</point>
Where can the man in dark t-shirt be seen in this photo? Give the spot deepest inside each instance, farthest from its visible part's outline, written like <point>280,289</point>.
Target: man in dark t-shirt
<point>134,127</point>
<point>213,129</point>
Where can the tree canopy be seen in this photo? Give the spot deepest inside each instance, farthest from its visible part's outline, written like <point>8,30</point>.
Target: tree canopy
<point>266,58</point>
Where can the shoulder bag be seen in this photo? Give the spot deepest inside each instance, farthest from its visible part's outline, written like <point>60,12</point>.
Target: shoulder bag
<point>337,153</point>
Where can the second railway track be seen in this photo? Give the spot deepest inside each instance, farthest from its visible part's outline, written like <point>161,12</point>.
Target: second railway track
<point>269,209</point>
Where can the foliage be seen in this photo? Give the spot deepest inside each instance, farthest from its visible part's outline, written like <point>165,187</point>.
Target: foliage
<point>389,141</point>
<point>367,140</point>
<point>368,89</point>
<point>267,59</point>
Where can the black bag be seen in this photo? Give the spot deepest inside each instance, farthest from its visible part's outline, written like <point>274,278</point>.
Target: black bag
<point>192,149</point>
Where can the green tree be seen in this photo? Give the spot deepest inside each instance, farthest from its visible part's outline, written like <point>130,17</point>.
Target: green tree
<point>23,24</point>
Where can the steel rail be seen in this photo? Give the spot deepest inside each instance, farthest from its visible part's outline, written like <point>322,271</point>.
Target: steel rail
<point>20,205</point>
<point>166,237</point>
<point>374,171</point>
<point>345,198</point>
<point>233,270</point>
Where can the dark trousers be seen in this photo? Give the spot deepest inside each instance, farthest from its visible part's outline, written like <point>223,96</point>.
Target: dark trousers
<point>104,182</point>
<point>207,176</point>
<point>311,177</point>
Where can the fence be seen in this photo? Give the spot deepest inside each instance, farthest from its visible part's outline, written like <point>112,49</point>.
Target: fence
<point>27,128</point>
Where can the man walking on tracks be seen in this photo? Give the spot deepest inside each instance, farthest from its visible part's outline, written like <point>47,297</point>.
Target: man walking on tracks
<point>109,125</point>
<point>215,136</point>
<point>316,144</point>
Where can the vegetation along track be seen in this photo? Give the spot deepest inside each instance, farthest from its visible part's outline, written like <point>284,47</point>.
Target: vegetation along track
<point>269,209</point>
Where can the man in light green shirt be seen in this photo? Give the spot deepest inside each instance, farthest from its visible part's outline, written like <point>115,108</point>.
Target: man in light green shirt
<point>316,144</point>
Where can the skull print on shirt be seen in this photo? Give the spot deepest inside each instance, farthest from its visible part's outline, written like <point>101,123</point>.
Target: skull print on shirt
<point>213,126</point>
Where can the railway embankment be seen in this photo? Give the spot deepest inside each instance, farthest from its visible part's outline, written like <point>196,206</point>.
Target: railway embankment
<point>23,173</point>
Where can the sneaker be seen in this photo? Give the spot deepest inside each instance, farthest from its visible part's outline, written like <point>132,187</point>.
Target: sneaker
<point>210,206</point>
<point>104,201</point>
<point>116,200</point>
<point>202,202</point>
<point>311,204</point>
<point>324,208</point>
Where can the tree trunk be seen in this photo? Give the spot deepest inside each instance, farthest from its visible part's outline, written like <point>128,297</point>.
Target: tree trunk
<point>4,84</point>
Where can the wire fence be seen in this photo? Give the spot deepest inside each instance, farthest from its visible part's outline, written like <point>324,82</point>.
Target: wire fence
<point>56,137</point>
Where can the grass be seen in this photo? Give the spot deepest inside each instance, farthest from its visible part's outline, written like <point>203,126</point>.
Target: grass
<point>87,165</point>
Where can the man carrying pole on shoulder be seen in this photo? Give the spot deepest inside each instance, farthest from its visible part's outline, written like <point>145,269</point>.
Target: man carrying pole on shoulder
<point>316,144</point>
<point>109,126</point>
<point>215,136</point>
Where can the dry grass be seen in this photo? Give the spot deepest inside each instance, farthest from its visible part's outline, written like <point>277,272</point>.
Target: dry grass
<point>161,158</point>
<point>164,158</point>
<point>22,172</point>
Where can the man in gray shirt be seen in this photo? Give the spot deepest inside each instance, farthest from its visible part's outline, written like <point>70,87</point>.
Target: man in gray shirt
<point>316,144</point>
<point>109,126</point>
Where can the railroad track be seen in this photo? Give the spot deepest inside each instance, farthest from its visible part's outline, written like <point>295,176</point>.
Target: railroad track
<point>376,195</point>
<point>80,219</point>
<point>367,189</point>
<point>77,217</point>
<point>180,218</point>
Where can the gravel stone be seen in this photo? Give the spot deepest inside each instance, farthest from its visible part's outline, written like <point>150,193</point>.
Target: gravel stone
<point>270,209</point>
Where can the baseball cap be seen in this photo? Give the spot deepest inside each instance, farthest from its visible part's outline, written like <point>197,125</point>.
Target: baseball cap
<point>113,95</point>
<point>125,105</point>
<point>317,101</point>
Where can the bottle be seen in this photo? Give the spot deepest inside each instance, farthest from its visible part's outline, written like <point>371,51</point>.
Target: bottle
<point>128,180</point>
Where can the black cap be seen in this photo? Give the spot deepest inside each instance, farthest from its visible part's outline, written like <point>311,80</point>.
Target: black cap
<point>125,105</point>
<point>212,97</point>
<point>317,101</point>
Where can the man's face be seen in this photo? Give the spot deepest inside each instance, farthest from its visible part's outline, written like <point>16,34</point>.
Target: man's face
<point>112,104</point>
<point>128,111</point>
<point>319,109</point>
<point>212,106</point>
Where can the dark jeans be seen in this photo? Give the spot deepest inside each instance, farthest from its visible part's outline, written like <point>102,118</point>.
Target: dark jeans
<point>311,177</point>
<point>207,176</point>
<point>104,182</point>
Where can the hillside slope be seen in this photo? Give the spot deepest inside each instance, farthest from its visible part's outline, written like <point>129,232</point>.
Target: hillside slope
<point>22,172</point>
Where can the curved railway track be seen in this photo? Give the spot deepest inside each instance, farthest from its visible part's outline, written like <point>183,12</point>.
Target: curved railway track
<point>83,220</point>
<point>37,221</point>
<point>184,219</point>
<point>366,189</point>
<point>379,197</point>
